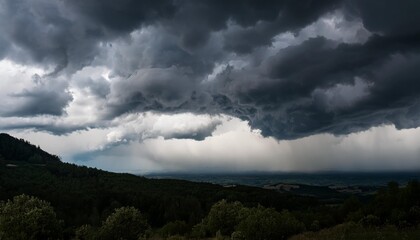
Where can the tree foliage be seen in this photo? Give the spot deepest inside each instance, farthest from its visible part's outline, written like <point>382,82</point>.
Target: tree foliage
<point>266,223</point>
<point>224,216</point>
<point>125,223</point>
<point>175,228</point>
<point>27,217</point>
<point>86,232</point>
<point>239,222</point>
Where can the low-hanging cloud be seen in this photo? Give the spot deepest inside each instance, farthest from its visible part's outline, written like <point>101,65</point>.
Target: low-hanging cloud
<point>234,147</point>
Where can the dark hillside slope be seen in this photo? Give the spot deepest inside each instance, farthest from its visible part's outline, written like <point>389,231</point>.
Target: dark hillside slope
<point>82,195</point>
<point>19,150</point>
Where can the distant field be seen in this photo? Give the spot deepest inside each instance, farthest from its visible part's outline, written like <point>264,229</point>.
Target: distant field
<point>351,231</point>
<point>317,179</point>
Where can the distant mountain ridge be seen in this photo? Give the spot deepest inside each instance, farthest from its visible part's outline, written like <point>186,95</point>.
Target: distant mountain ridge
<point>20,150</point>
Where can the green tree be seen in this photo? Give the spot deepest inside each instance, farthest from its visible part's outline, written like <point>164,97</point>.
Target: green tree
<point>174,228</point>
<point>125,223</point>
<point>266,223</point>
<point>36,158</point>
<point>224,217</point>
<point>199,230</point>
<point>350,206</point>
<point>85,232</point>
<point>27,217</point>
<point>370,221</point>
<point>414,215</point>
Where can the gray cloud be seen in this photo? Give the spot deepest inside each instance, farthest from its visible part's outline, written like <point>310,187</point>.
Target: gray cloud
<point>4,45</point>
<point>45,98</point>
<point>42,33</point>
<point>67,34</point>
<point>291,16</point>
<point>218,57</point>
<point>282,91</point>
<point>38,102</point>
<point>387,17</point>
<point>42,126</point>
<point>120,16</point>
<point>195,20</point>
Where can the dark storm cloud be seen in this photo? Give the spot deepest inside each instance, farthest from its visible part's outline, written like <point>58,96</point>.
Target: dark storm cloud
<point>193,54</point>
<point>120,16</point>
<point>66,34</point>
<point>156,89</point>
<point>4,45</point>
<point>211,16</point>
<point>154,47</point>
<point>291,16</point>
<point>40,103</point>
<point>41,33</point>
<point>284,91</point>
<point>387,17</point>
<point>199,135</point>
<point>319,62</point>
<point>43,126</point>
<point>195,20</point>
<point>45,98</point>
<point>161,54</point>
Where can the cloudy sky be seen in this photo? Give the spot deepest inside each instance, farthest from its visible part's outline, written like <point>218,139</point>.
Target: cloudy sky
<point>214,85</point>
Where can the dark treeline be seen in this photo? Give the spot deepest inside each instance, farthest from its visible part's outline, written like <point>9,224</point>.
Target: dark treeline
<point>85,203</point>
<point>22,151</point>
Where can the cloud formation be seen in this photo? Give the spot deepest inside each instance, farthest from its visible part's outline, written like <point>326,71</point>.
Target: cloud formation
<point>234,147</point>
<point>291,69</point>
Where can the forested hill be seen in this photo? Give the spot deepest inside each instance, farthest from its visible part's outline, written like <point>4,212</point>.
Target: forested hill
<point>19,150</point>
<point>75,202</point>
<point>82,195</point>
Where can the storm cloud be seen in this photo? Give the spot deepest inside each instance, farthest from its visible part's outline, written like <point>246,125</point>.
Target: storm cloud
<point>289,68</point>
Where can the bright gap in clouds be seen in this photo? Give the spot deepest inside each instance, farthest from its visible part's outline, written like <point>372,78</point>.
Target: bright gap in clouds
<point>231,147</point>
